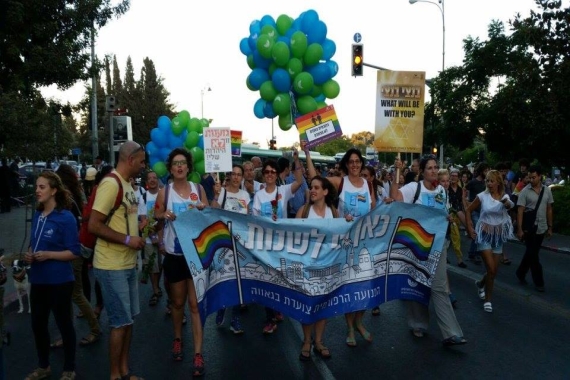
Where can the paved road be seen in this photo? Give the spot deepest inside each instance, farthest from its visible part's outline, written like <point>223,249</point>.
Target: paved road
<point>525,338</point>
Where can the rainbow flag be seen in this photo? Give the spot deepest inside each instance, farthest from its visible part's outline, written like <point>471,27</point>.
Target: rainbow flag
<point>236,140</point>
<point>214,237</point>
<point>412,235</point>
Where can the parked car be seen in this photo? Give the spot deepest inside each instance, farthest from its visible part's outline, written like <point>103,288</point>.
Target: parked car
<point>30,170</point>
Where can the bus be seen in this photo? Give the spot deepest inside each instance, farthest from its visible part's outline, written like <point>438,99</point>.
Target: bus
<point>250,150</point>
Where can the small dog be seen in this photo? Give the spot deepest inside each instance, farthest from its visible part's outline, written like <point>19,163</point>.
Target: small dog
<point>21,283</point>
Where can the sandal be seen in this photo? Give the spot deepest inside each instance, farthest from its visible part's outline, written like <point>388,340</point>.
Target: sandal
<point>305,355</point>
<point>153,300</point>
<point>97,311</point>
<point>350,341</point>
<point>376,311</point>
<point>57,344</point>
<point>418,333</point>
<point>454,341</point>
<point>488,307</point>
<point>68,375</point>
<point>39,373</point>
<point>506,261</point>
<point>364,333</point>
<point>89,339</point>
<point>323,351</point>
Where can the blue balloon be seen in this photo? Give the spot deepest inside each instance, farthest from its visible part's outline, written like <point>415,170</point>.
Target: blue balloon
<point>252,41</point>
<point>174,141</point>
<point>259,61</point>
<point>254,27</point>
<point>297,25</point>
<point>310,18</point>
<point>244,46</point>
<point>159,137</point>
<point>281,80</point>
<point>258,108</point>
<point>151,148</point>
<point>164,123</point>
<point>333,67</point>
<point>201,142</point>
<point>285,39</point>
<point>267,20</point>
<point>320,72</point>
<point>317,33</point>
<point>268,111</point>
<point>163,153</point>
<point>257,77</point>
<point>329,48</point>
<point>320,98</point>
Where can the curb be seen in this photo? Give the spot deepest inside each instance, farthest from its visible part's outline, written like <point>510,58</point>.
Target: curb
<point>552,248</point>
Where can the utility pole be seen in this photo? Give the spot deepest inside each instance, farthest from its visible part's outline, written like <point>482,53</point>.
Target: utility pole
<point>94,127</point>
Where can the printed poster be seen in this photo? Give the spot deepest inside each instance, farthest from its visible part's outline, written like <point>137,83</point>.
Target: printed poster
<point>319,126</point>
<point>236,143</point>
<point>217,150</point>
<point>399,111</point>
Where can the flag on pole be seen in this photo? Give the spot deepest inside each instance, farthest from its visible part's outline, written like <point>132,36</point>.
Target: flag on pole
<point>212,238</point>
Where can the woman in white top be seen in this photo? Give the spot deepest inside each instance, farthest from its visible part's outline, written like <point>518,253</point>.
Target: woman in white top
<point>356,198</point>
<point>492,230</point>
<point>430,194</point>
<point>232,198</point>
<point>271,201</point>
<point>175,198</point>
<point>321,197</point>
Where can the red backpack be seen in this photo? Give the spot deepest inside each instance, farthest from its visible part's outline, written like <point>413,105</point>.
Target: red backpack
<point>86,238</point>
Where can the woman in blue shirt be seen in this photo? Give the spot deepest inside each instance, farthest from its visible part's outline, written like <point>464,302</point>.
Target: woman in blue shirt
<point>54,242</point>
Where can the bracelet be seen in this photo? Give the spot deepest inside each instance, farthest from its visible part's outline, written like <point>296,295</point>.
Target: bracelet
<point>127,240</point>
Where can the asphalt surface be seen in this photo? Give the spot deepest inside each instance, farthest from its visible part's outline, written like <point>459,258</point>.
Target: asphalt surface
<point>524,338</point>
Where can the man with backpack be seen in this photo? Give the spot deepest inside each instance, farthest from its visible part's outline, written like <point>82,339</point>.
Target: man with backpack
<point>115,255</point>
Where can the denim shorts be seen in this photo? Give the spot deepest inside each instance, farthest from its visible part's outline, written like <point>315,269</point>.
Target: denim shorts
<point>497,248</point>
<point>120,295</point>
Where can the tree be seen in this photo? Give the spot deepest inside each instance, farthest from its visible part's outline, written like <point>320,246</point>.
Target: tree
<point>330,148</point>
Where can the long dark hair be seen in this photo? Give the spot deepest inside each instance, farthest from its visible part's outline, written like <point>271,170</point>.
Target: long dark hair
<point>343,164</point>
<point>69,179</point>
<point>326,185</point>
<point>372,173</point>
<point>62,195</point>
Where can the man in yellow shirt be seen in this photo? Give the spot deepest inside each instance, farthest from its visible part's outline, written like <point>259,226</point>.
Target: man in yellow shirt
<point>115,256</point>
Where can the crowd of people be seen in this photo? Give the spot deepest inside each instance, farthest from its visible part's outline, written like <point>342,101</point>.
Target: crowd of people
<point>490,205</point>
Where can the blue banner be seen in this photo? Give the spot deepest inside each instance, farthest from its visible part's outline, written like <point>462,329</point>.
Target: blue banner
<point>312,269</point>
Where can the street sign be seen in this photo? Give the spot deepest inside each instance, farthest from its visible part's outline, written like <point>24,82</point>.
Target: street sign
<point>357,37</point>
<point>76,151</point>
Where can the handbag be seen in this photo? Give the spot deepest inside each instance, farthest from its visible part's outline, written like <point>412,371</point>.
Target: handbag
<point>529,225</point>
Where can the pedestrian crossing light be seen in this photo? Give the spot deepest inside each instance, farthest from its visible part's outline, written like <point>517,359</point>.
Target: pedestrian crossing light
<point>357,60</point>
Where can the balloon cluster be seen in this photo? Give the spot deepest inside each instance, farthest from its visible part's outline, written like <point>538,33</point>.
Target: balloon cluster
<point>181,131</point>
<point>291,66</point>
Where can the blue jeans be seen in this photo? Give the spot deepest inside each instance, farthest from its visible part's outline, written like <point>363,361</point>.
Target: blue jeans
<point>120,295</point>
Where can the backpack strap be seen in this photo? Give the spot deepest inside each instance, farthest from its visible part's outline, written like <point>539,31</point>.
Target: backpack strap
<point>417,195</point>
<point>118,201</point>
<point>340,185</point>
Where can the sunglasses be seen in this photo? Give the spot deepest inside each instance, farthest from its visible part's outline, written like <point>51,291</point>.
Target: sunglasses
<point>270,172</point>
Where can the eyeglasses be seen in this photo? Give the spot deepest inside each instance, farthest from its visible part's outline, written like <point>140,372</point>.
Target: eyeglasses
<point>354,162</point>
<point>270,172</point>
<point>179,163</point>
<point>235,174</point>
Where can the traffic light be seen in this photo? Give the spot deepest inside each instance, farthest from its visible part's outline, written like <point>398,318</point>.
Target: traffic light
<point>272,143</point>
<point>110,103</point>
<point>357,60</point>
<point>434,150</point>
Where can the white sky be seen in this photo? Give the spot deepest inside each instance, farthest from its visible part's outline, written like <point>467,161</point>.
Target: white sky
<point>195,44</point>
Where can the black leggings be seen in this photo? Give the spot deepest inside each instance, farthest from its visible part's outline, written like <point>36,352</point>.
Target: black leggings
<point>56,298</point>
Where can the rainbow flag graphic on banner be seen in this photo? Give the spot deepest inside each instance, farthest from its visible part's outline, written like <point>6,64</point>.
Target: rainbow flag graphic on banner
<point>214,237</point>
<point>236,142</point>
<point>412,235</point>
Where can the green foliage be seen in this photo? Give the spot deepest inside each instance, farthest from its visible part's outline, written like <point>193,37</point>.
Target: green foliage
<point>330,148</point>
<point>561,209</point>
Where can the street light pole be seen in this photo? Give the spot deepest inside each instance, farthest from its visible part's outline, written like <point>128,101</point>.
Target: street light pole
<point>442,10</point>
<point>202,92</point>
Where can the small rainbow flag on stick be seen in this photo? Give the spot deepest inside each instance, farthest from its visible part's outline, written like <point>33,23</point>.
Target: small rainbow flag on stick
<point>212,238</point>
<point>411,234</point>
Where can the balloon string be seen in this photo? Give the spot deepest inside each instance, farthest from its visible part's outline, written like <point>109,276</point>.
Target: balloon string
<point>294,111</point>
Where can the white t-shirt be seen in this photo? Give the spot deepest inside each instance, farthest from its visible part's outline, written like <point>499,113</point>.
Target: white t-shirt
<point>178,205</point>
<point>236,202</point>
<point>314,215</point>
<point>436,198</point>
<point>354,200</point>
<point>147,208</point>
<point>262,201</point>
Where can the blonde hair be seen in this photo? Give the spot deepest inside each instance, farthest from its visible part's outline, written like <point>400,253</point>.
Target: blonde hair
<point>441,173</point>
<point>498,177</point>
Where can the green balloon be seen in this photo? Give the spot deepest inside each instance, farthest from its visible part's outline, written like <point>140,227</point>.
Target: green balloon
<point>303,83</point>
<point>264,45</point>
<point>280,53</point>
<point>313,54</point>
<point>194,125</point>
<point>205,124</point>
<point>316,91</point>
<point>250,61</point>
<point>270,31</point>
<point>184,117</point>
<point>267,91</point>
<point>160,169</point>
<point>197,155</point>
<point>249,84</point>
<point>283,24</point>
<point>298,44</point>
<point>271,68</point>
<point>176,126</point>
<point>282,104</point>
<point>306,104</point>
<point>200,167</point>
<point>194,177</point>
<point>331,89</point>
<point>321,104</point>
<point>294,67</point>
<point>191,140</point>
<point>285,122</point>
